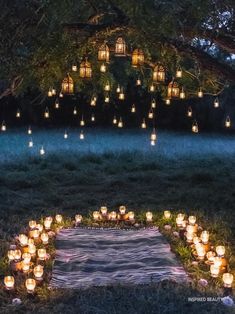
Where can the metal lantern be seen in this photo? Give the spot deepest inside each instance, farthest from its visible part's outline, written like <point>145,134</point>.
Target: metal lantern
<point>120,47</point>
<point>173,90</point>
<point>159,74</point>
<point>67,85</point>
<point>103,53</point>
<point>137,58</point>
<point>85,69</point>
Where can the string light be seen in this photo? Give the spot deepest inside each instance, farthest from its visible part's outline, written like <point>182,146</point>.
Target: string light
<point>118,90</point>
<point>107,87</point>
<point>153,104</point>
<point>82,122</point>
<point>143,124</point>
<point>227,122</point>
<point>57,104</point>
<point>53,91</point>
<point>49,93</point>
<point>138,82</point>
<point>3,127</point>
<point>46,113</point>
<point>61,95</point>
<point>82,135</point>
<point>216,102</point>
<point>150,114</point>
<point>92,117</point>
<point>167,101</point>
<point>106,98</point>
<point>74,68</point>
<point>121,95</point>
<point>195,127</point>
<point>182,93</point>
<point>152,88</point>
<point>190,112</point>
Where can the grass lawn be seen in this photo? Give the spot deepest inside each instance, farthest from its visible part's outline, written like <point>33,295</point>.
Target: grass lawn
<point>194,173</point>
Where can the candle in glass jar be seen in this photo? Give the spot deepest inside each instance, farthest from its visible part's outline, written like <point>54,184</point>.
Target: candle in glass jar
<point>26,257</point>
<point>104,210</point>
<point>227,280</point>
<point>78,219</point>
<point>32,249</point>
<point>131,215</point>
<point>189,237</point>
<point>17,255</point>
<point>196,240</point>
<point>113,215</point>
<point>25,266</point>
<point>58,218</point>
<point>210,256</point>
<point>44,238</point>
<point>167,214</point>
<point>42,254</point>
<point>214,270</point>
<point>205,236</point>
<point>9,282</point>
<point>217,261</point>
<point>220,250</point>
<point>23,240</point>
<point>47,223</point>
<point>11,255</point>
<point>192,220</point>
<point>35,233</point>
<point>96,215</point>
<point>122,210</point>
<point>38,272</point>
<point>149,216</point>
<point>200,251</point>
<point>30,284</point>
<point>32,224</point>
<point>39,227</point>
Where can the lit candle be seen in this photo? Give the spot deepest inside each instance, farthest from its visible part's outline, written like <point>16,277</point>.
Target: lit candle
<point>131,216</point>
<point>81,135</point>
<point>38,272</point>
<point>179,220</point>
<point>44,238</point>
<point>104,210</point>
<point>32,224</point>
<point>168,101</point>
<point>220,250</point>
<point>11,255</point>
<point>58,218</point>
<point>26,257</point>
<point>96,215</point>
<point>32,249</point>
<point>30,241</point>
<point>9,282</point>
<point>47,223</point>
<point>191,229</point>
<point>103,68</point>
<point>42,254</point>
<point>167,214</point>
<point>189,237</point>
<point>196,240</point>
<point>23,240</point>
<point>122,210</point>
<point>42,151</point>
<point>205,236</point>
<point>30,285</point>
<point>200,93</point>
<point>113,215</point>
<point>17,255</point>
<point>214,271</point>
<point>210,256</point>
<point>39,227</point>
<point>25,266</point>
<point>192,220</point>
<point>217,261</point>
<point>200,251</point>
<point>78,219</point>
<point>227,280</point>
<point>35,233</point>
<point>149,216</point>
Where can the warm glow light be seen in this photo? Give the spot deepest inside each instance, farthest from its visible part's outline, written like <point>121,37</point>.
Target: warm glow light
<point>38,272</point>
<point>82,136</point>
<point>107,87</point>
<point>96,215</point>
<point>32,224</point>
<point>228,280</point>
<point>47,223</point>
<point>173,90</point>
<point>11,255</point>
<point>121,95</point>
<point>75,111</point>
<point>26,257</point>
<point>159,74</point>
<point>106,99</point>
<point>65,135</point>
<point>25,266</point>
<point>104,210</point>
<point>200,251</point>
<point>3,126</point>
<point>220,250</point>
<point>179,72</point>
<point>30,285</point>
<point>190,112</point>
<point>152,88</point>
<point>200,93</point>
<point>143,124</point>
<point>153,136</point>
<point>179,219</point>
<point>189,237</point>
<point>18,113</point>
<point>168,101</point>
<point>122,210</point>
<point>182,93</point>
<point>113,215</point>
<point>78,219</point>
<point>153,104</point>
<point>214,270</point>
<point>58,218</point>
<point>23,239</point>
<point>118,90</point>
<point>46,113</point>
<point>9,282</point>
<point>138,82</point>
<point>42,151</point>
<point>137,58</point>
<point>228,122</point>
<point>120,123</point>
<point>44,238</point>
<point>114,120</point>
<point>74,68</point>
<point>150,114</point>
<point>149,216</point>
<point>195,127</point>
<point>196,240</point>
<point>205,236</point>
<point>42,254</point>
<point>133,110</point>
<point>131,215</point>
<point>192,220</point>
<point>85,69</point>
<point>120,47</point>
<point>103,68</point>
<point>103,53</point>
<point>32,249</point>
<point>216,102</point>
<point>17,255</point>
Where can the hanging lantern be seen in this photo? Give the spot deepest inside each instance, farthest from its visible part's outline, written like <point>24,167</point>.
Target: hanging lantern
<point>118,90</point>
<point>159,74</point>
<point>67,85</point>
<point>106,98</point>
<point>143,124</point>
<point>228,122</point>
<point>57,104</point>
<point>92,117</point>
<point>82,135</point>
<point>49,94</point>
<point>93,101</point>
<point>75,111</point>
<point>61,95</point>
<point>46,113</point>
<point>179,72</point>
<point>195,127</point>
<point>137,58</point>
<point>190,112</point>
<point>114,120</point>
<point>182,93</point>
<point>150,115</point>
<point>216,102</point>
<point>53,91</point>
<point>138,82</point>
<point>82,122</point>
<point>120,47</point>
<point>153,136</point>
<point>65,135</point>
<point>29,130</point>
<point>120,123</point>
<point>173,89</point>
<point>42,151</point>
<point>121,95</point>
<point>103,53</point>
<point>74,68</point>
<point>152,88</point>
<point>85,69</point>
<point>107,86</point>
<point>133,109</point>
<point>18,113</point>
<point>167,101</point>
<point>103,68</point>
<point>200,93</point>
<point>153,103</point>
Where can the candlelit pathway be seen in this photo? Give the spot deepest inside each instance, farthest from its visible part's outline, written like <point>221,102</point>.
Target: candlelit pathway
<point>97,257</point>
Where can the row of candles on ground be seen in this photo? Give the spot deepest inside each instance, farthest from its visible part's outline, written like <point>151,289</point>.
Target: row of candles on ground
<point>26,255</point>
<point>201,247</point>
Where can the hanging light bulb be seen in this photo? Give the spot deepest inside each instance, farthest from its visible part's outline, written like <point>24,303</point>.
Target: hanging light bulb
<point>57,104</point>
<point>195,127</point>
<point>182,93</point>
<point>82,122</point>
<point>121,95</point>
<point>61,95</point>
<point>168,101</point>
<point>82,135</point>
<point>42,151</point>
<point>190,112</point>
<point>46,113</point>
<point>74,68</point>
<point>179,72</point>
<point>93,101</point>
<point>228,122</point>
<point>103,68</point>
<point>18,113</point>
<point>153,103</point>
<point>114,120</point>
<point>49,93</point>
<point>30,143</point>
<point>92,117</point>
<point>118,90</point>
<point>65,135</point>
<point>216,102</point>
<point>29,130</point>
<point>120,123</point>
<point>133,109</point>
<point>3,127</point>
<point>150,115</point>
<point>107,87</point>
<point>152,88</point>
<point>200,93</point>
<point>106,98</point>
<point>53,91</point>
<point>143,124</point>
<point>138,82</point>
<point>153,136</point>
<point>75,111</point>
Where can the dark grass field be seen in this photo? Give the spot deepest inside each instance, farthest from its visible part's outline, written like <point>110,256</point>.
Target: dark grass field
<point>183,172</point>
